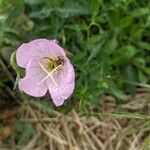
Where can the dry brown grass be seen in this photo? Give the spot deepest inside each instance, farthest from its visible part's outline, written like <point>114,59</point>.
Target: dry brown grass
<point>110,127</point>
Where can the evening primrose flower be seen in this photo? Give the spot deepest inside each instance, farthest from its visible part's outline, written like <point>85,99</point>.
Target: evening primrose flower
<point>47,69</point>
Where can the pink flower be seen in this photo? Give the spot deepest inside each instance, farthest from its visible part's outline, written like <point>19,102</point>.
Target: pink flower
<point>47,69</point>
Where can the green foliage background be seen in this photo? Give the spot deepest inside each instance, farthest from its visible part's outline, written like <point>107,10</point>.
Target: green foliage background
<point>109,39</point>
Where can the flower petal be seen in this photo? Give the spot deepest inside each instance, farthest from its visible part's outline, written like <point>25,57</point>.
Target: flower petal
<point>65,84</point>
<point>37,48</point>
<point>30,83</point>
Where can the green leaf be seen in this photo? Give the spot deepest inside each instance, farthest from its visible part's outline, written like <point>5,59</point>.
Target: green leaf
<point>94,7</point>
<point>41,14</point>
<point>16,82</point>
<point>130,75</point>
<point>125,22</point>
<point>116,92</point>
<point>142,77</point>
<point>111,45</point>
<point>141,64</point>
<point>124,54</point>
<point>140,12</point>
<point>24,131</point>
<point>144,45</point>
<point>94,44</point>
<point>72,8</point>
<point>19,71</point>
<point>12,18</point>
<point>33,2</point>
<point>94,52</point>
<point>136,32</point>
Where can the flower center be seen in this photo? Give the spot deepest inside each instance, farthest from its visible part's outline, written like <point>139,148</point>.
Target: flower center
<point>51,65</point>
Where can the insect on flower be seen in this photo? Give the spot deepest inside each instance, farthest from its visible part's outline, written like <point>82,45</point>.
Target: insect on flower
<point>54,62</point>
<point>47,69</point>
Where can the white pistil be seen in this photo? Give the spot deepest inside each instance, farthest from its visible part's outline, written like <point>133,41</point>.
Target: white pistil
<point>43,68</point>
<point>49,74</point>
